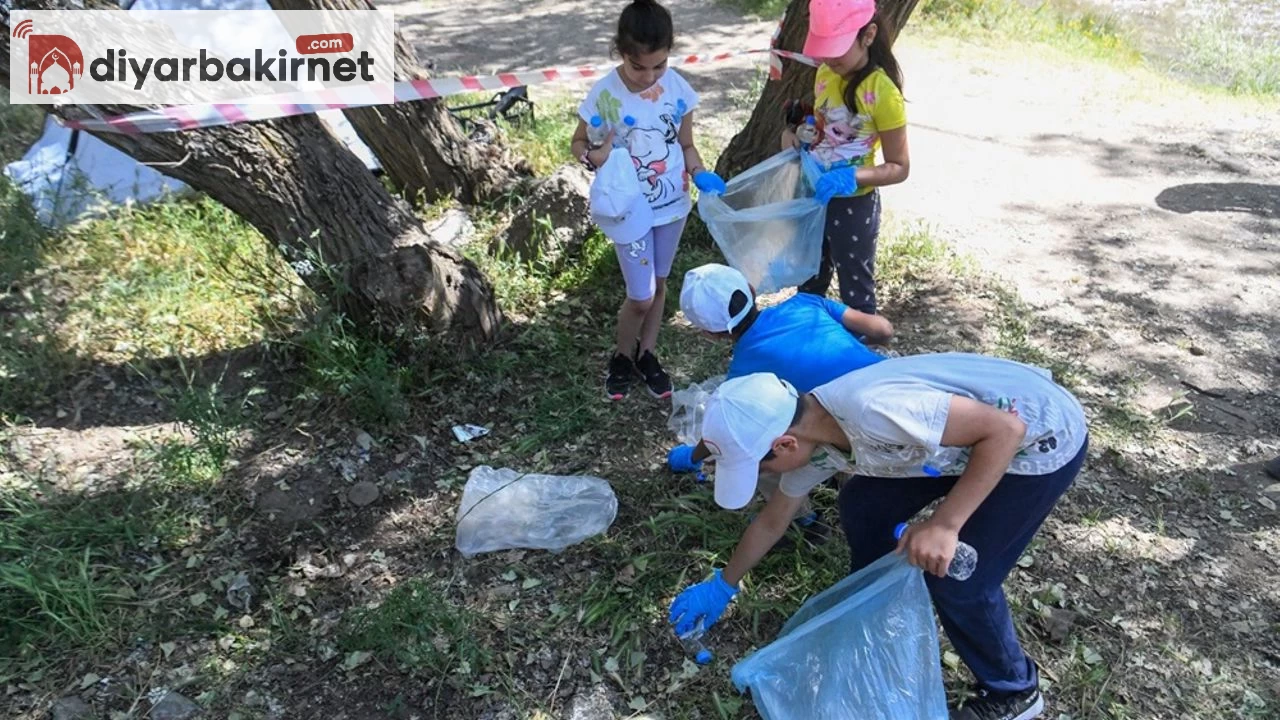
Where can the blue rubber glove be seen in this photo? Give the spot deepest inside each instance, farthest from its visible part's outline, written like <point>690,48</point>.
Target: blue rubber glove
<point>706,600</point>
<point>836,182</point>
<point>709,182</point>
<point>680,459</point>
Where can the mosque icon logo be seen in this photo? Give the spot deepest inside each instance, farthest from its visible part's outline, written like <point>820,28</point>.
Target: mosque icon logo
<point>55,62</point>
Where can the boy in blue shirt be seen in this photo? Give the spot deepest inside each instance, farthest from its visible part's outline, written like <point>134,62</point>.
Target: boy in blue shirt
<point>807,340</point>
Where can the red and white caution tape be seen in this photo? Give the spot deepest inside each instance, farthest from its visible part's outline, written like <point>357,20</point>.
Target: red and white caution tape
<point>775,60</point>
<point>189,117</point>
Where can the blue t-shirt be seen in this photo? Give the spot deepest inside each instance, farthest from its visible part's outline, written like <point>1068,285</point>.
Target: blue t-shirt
<point>801,341</point>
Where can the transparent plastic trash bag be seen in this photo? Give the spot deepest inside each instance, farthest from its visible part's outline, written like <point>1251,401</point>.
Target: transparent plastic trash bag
<point>504,509</point>
<point>767,224</point>
<point>865,648</point>
<point>687,406</point>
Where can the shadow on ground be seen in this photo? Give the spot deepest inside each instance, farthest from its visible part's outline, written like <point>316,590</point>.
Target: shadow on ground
<point>1253,198</point>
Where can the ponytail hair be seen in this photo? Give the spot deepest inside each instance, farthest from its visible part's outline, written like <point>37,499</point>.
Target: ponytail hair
<point>643,27</point>
<point>879,55</point>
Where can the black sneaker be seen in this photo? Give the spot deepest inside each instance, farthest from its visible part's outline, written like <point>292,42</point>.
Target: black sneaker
<point>622,371</point>
<point>655,378</point>
<point>987,706</point>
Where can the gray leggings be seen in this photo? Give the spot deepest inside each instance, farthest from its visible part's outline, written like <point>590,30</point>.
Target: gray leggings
<point>849,243</point>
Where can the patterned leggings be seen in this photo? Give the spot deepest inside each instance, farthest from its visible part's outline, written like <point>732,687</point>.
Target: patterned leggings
<point>853,226</point>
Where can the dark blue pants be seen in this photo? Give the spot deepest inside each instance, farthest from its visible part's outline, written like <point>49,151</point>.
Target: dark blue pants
<point>974,612</point>
<point>849,251</point>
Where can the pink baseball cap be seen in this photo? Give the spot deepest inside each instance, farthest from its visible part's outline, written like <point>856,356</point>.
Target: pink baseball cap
<point>834,25</point>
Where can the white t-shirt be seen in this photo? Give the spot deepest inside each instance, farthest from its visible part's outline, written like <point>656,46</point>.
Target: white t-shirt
<point>825,462</point>
<point>894,412</point>
<point>655,141</point>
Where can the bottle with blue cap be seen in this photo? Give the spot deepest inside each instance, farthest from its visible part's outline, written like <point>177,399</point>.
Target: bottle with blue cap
<point>621,134</point>
<point>963,563</point>
<point>692,644</point>
<point>682,107</point>
<point>597,131</point>
<point>807,133</point>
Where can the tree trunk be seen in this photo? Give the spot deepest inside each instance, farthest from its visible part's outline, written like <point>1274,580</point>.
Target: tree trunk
<point>762,134</point>
<point>314,199</point>
<point>420,146</point>
<point>760,137</point>
<point>896,13</point>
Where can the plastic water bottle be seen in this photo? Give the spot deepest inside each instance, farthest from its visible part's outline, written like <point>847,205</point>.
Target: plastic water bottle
<point>621,135</point>
<point>692,644</point>
<point>963,563</point>
<point>597,131</point>
<point>808,132</point>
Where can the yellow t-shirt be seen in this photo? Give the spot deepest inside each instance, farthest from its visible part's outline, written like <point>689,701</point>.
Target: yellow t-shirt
<point>853,137</point>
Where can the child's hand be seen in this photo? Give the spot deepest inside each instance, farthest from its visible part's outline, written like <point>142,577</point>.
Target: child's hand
<point>880,329</point>
<point>841,182</point>
<point>929,546</point>
<point>709,182</point>
<point>704,601</point>
<point>789,139</point>
<point>680,459</point>
<point>599,155</point>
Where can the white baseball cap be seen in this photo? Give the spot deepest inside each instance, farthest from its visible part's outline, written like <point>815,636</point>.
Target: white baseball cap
<point>704,299</point>
<point>741,421</point>
<point>618,205</point>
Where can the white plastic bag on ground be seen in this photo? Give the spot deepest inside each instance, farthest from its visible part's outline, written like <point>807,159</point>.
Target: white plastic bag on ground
<point>767,224</point>
<point>687,406</point>
<point>865,648</point>
<point>504,509</point>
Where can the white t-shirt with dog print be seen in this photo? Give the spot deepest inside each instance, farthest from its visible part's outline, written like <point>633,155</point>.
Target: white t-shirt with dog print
<point>654,143</point>
<point>895,411</point>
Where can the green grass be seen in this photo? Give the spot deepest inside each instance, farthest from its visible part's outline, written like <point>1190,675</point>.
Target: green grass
<point>545,140</point>
<point>1082,30</point>
<point>767,9</point>
<point>1214,52</point>
<point>174,276</point>
<point>179,277</point>
<point>31,358</point>
<point>69,569</point>
<point>362,372</point>
<point>213,424</point>
<point>912,255</point>
<point>418,629</point>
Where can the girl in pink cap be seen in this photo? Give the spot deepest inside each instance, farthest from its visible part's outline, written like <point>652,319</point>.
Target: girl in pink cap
<point>647,109</point>
<point>858,109</point>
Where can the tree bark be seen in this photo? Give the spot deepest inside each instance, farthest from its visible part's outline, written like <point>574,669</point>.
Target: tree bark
<point>896,13</point>
<point>421,147</point>
<point>312,198</point>
<point>761,136</point>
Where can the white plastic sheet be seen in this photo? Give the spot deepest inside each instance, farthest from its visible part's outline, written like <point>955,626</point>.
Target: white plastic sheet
<point>504,509</point>
<point>687,406</point>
